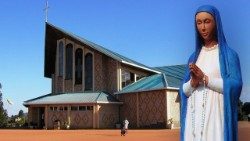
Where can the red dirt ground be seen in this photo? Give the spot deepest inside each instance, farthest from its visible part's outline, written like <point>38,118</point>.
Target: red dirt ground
<point>103,135</point>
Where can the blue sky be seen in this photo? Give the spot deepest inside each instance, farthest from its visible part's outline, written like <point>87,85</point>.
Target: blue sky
<point>153,32</point>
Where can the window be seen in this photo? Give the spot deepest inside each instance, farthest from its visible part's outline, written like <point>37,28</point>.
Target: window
<point>89,107</point>
<point>132,77</point>
<point>65,108</point>
<point>61,54</point>
<point>74,108</point>
<point>88,71</point>
<point>82,108</point>
<point>51,108</point>
<point>127,78</point>
<point>55,108</point>
<point>60,108</point>
<point>78,66</point>
<point>69,61</point>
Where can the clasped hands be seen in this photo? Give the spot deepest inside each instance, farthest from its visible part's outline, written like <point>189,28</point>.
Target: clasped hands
<point>197,76</point>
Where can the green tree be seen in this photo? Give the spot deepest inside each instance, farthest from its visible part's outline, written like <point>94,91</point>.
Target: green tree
<point>21,113</point>
<point>3,112</point>
<point>20,120</point>
<point>240,111</point>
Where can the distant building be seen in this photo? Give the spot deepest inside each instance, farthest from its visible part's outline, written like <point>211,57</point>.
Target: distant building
<point>93,87</point>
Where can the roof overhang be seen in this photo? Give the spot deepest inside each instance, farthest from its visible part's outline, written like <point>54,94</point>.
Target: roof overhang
<point>83,103</point>
<point>73,99</point>
<point>137,91</point>
<point>144,68</point>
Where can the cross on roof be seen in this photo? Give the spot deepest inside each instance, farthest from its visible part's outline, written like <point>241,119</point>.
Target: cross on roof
<point>46,11</point>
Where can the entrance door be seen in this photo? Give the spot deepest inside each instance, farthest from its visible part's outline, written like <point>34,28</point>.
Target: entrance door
<point>41,117</point>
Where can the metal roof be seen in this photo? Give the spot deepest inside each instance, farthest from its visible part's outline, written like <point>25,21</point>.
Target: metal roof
<point>73,98</point>
<point>170,78</point>
<point>51,29</point>
<point>152,82</point>
<point>174,74</point>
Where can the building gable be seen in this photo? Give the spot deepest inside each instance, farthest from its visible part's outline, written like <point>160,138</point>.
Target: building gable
<point>54,33</point>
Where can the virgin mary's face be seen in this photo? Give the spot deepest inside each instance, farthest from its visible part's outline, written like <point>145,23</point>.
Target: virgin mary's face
<point>206,26</point>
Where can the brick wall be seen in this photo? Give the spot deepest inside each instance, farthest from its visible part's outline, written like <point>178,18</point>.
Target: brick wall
<point>145,109</point>
<point>68,86</point>
<point>59,85</point>
<point>78,119</point>
<point>111,76</point>
<point>128,109</point>
<point>98,74</point>
<point>108,116</point>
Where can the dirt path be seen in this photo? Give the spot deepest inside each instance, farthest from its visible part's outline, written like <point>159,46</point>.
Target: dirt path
<point>103,135</point>
<point>88,135</point>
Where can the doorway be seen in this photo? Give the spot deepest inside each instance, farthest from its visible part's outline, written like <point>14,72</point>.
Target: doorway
<point>41,117</point>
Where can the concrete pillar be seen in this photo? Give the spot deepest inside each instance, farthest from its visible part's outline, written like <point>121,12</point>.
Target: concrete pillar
<point>73,69</point>
<point>96,116</point>
<point>168,108</point>
<point>119,77</point>
<point>135,77</point>
<point>64,64</point>
<point>68,116</point>
<point>83,69</point>
<point>55,76</point>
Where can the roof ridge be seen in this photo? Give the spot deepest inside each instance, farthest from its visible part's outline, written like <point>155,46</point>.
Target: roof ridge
<point>170,65</point>
<point>98,96</point>
<point>165,79</point>
<point>167,71</point>
<point>38,97</point>
<point>73,99</point>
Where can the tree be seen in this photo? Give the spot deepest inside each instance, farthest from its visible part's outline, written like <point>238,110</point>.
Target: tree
<point>21,113</point>
<point>246,108</point>
<point>240,111</point>
<point>20,120</point>
<point>3,112</point>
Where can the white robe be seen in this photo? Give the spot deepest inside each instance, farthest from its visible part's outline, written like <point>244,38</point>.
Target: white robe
<point>208,62</point>
<point>126,124</point>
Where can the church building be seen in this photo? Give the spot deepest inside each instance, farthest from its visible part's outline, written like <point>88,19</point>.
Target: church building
<point>93,87</point>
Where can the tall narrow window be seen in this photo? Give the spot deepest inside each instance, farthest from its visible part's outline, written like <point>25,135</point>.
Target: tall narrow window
<point>69,61</point>
<point>88,71</point>
<point>61,53</point>
<point>127,78</point>
<point>132,77</point>
<point>78,66</point>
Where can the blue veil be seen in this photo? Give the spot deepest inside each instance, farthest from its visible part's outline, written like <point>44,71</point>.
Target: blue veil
<point>230,73</point>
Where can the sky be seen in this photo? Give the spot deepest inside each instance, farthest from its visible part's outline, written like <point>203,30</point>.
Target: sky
<point>152,32</point>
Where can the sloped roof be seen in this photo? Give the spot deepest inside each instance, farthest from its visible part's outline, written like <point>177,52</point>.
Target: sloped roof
<point>73,98</point>
<point>174,74</point>
<point>53,32</point>
<point>152,82</point>
<point>170,78</point>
